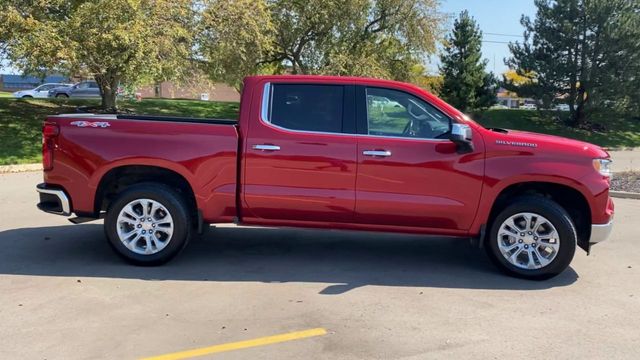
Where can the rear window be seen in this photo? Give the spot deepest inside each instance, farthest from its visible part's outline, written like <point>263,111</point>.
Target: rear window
<point>307,107</point>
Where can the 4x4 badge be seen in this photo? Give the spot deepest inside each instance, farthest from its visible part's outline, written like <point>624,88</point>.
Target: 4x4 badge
<point>95,124</point>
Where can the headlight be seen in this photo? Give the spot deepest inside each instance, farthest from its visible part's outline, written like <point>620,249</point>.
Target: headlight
<point>603,166</point>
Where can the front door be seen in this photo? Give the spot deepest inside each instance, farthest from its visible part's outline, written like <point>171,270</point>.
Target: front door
<point>300,155</point>
<point>409,173</point>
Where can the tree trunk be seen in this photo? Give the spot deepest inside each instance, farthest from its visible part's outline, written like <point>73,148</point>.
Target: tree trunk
<point>108,84</point>
<point>109,100</point>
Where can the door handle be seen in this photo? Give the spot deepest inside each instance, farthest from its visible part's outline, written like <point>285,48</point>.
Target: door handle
<point>266,147</point>
<point>382,153</point>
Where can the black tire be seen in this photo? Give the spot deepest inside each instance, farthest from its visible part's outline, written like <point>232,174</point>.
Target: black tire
<point>27,97</point>
<point>558,217</point>
<point>62,96</point>
<point>177,208</point>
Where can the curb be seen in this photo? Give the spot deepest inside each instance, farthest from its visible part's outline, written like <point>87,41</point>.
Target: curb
<point>624,195</point>
<point>6,169</point>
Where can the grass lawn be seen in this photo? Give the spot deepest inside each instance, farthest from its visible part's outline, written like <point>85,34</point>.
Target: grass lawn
<point>21,120</point>
<point>4,94</point>
<point>620,131</point>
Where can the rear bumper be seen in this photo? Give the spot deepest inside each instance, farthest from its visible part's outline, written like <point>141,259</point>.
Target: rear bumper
<point>600,232</point>
<point>53,200</point>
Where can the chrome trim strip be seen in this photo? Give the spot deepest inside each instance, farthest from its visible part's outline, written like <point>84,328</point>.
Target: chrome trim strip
<point>64,200</point>
<point>383,153</point>
<point>600,232</point>
<point>266,147</point>
<point>266,104</point>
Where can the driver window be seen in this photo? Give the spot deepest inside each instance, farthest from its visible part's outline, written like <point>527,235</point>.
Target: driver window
<point>396,113</point>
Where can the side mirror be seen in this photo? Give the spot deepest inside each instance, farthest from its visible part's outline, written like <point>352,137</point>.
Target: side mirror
<point>462,136</point>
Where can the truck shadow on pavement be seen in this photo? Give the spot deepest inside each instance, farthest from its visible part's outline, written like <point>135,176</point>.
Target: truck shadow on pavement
<point>347,260</point>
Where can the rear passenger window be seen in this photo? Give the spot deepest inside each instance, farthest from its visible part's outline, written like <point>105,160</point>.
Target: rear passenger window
<point>307,107</point>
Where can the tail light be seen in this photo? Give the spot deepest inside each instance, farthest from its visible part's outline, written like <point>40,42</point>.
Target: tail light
<point>49,133</point>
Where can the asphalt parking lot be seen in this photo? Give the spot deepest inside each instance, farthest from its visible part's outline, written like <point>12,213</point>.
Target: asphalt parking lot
<point>65,295</point>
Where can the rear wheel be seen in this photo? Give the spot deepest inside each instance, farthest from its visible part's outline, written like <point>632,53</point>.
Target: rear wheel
<point>27,97</point>
<point>533,238</point>
<point>148,224</point>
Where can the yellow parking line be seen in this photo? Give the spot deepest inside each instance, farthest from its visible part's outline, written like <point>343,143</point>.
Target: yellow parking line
<point>296,335</point>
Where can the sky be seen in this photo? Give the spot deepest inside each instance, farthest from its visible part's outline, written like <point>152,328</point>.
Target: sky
<point>496,18</point>
<point>493,16</point>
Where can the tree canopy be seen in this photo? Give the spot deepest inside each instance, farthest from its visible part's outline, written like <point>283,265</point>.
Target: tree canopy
<point>384,39</point>
<point>136,41</point>
<point>112,41</point>
<point>466,85</point>
<point>582,52</point>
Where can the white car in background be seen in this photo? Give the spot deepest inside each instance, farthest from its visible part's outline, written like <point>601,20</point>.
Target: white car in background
<point>41,91</point>
<point>528,107</point>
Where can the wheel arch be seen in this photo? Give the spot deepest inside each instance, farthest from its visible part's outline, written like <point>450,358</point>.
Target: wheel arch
<point>569,198</point>
<point>118,178</point>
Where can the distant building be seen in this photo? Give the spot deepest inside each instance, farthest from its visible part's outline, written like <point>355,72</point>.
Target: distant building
<point>21,82</point>
<point>195,90</point>
<point>511,99</point>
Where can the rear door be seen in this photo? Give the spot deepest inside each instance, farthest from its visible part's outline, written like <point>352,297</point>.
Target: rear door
<point>409,173</point>
<point>300,154</point>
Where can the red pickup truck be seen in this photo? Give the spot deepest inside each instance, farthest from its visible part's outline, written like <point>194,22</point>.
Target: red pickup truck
<point>330,152</point>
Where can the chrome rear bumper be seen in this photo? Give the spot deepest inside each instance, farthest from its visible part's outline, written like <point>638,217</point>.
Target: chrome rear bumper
<point>600,232</point>
<point>54,201</point>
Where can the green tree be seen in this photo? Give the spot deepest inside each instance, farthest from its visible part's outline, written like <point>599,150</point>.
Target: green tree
<point>582,52</point>
<point>114,41</point>
<point>466,84</point>
<point>379,38</point>
<point>233,39</point>
<point>384,39</point>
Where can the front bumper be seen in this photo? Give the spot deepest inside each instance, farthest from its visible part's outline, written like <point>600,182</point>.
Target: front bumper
<point>53,200</point>
<point>600,232</point>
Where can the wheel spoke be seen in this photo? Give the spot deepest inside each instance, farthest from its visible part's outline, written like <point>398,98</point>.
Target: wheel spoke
<point>511,226</point>
<point>166,230</point>
<point>509,248</point>
<point>514,257</point>
<point>156,242</point>
<point>148,249</point>
<point>507,231</point>
<point>543,260</point>
<point>132,244</point>
<point>531,264</point>
<point>154,208</point>
<point>128,211</point>
<point>527,221</point>
<point>127,235</point>
<point>547,242</point>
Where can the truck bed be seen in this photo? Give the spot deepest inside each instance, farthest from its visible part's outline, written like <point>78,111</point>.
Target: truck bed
<point>202,151</point>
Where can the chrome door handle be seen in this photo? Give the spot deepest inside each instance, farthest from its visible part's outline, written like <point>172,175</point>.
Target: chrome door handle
<point>383,153</point>
<point>265,147</point>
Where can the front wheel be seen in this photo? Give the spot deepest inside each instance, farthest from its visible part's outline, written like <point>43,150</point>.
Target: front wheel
<point>62,96</point>
<point>533,238</point>
<point>148,224</point>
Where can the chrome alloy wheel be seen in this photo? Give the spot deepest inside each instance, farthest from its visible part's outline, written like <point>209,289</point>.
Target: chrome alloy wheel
<point>528,241</point>
<point>145,226</point>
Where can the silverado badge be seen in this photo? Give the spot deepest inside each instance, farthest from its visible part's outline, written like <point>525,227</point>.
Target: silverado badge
<point>516,143</point>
